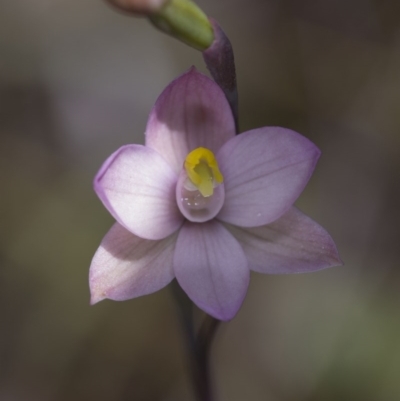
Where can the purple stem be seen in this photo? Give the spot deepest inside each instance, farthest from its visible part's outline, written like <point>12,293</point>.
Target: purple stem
<point>201,368</point>
<point>220,62</point>
<point>199,345</point>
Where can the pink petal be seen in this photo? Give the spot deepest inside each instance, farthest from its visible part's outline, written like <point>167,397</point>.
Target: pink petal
<point>137,186</point>
<point>191,112</point>
<point>211,268</point>
<point>126,266</point>
<point>292,244</point>
<point>264,170</point>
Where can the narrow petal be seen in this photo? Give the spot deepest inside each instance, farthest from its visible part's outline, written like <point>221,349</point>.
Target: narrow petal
<point>137,186</point>
<point>292,244</point>
<point>264,170</point>
<point>191,112</point>
<point>211,268</point>
<point>126,266</point>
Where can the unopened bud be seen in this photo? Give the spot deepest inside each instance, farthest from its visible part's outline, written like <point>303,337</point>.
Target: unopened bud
<point>138,7</point>
<point>184,20</point>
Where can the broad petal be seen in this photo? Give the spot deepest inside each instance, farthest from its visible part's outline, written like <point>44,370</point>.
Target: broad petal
<point>292,244</point>
<point>126,266</point>
<point>137,186</point>
<point>264,170</point>
<point>191,112</point>
<point>211,268</point>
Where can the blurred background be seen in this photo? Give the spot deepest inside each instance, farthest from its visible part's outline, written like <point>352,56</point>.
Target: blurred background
<point>77,81</point>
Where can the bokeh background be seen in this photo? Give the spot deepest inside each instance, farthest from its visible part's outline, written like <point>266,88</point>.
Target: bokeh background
<point>77,80</point>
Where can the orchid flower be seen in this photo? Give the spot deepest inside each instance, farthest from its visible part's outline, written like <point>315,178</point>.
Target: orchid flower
<point>205,206</point>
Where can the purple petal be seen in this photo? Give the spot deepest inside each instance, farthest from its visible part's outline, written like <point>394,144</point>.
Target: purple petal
<point>211,268</point>
<point>137,186</point>
<point>191,112</point>
<point>264,170</point>
<point>292,244</point>
<point>126,266</point>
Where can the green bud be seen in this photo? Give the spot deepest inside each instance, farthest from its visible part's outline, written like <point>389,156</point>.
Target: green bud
<point>184,20</point>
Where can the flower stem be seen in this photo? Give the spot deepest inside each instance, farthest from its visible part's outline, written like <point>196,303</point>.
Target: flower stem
<point>201,362</point>
<point>199,346</point>
<point>220,62</point>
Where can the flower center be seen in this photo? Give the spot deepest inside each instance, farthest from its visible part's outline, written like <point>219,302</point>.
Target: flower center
<point>200,191</point>
<point>202,169</point>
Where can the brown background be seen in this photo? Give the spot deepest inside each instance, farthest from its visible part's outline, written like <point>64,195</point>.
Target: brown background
<point>77,80</point>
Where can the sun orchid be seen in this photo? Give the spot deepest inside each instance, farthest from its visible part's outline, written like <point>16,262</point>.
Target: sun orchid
<point>202,205</point>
